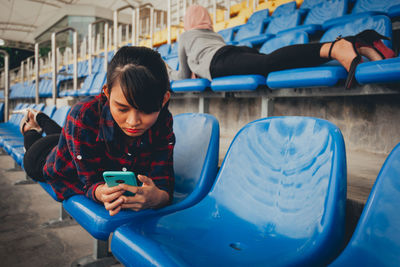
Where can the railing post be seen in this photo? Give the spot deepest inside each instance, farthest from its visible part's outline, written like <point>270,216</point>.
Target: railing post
<point>37,73</point>
<point>115,31</point>
<point>105,46</point>
<point>133,27</point>
<point>54,67</point>
<point>151,26</point>
<point>169,21</point>
<point>90,48</point>
<point>6,83</point>
<point>75,60</point>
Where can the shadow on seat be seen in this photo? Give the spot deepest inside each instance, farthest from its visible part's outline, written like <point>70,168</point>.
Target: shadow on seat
<point>376,240</point>
<point>278,200</point>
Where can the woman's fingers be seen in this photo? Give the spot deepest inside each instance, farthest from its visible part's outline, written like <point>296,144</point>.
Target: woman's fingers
<point>115,211</point>
<point>114,204</point>
<point>113,196</point>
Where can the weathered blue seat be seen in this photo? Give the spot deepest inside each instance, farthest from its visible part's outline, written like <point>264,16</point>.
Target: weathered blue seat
<point>376,239</point>
<point>195,166</point>
<point>329,75</point>
<point>381,71</point>
<point>366,8</point>
<point>320,13</point>
<point>278,200</point>
<point>284,39</point>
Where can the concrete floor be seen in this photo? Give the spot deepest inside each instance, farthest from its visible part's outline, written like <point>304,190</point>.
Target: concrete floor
<point>24,209</point>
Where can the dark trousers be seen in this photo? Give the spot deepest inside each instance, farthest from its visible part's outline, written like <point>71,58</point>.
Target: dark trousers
<point>240,60</point>
<point>38,147</point>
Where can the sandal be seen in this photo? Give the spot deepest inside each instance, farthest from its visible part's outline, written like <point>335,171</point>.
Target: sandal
<point>367,38</point>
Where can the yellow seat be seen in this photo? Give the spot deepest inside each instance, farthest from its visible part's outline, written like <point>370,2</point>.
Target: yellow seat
<point>220,15</point>
<point>273,4</point>
<point>240,19</point>
<point>220,26</point>
<point>235,9</point>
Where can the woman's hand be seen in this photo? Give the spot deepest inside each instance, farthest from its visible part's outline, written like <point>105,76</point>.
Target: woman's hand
<point>111,197</point>
<point>148,196</point>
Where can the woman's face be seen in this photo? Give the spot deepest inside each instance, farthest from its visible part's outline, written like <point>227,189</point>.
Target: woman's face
<point>132,122</point>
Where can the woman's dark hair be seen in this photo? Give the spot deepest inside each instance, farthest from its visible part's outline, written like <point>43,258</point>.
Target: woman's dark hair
<point>142,75</point>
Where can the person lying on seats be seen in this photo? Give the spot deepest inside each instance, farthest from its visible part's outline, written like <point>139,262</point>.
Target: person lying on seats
<point>127,127</point>
<point>203,52</point>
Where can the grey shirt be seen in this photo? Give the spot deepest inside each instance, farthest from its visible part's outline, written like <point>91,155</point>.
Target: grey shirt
<point>196,50</point>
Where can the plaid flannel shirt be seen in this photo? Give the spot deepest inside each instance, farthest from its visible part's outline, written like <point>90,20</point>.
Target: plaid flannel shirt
<point>91,143</point>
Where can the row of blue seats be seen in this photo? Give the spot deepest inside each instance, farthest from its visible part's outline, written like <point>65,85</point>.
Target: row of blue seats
<point>11,139</point>
<point>319,16</point>
<point>28,89</point>
<point>330,74</point>
<point>297,202</point>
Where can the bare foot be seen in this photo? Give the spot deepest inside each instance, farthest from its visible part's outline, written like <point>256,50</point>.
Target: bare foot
<point>370,53</point>
<point>342,51</point>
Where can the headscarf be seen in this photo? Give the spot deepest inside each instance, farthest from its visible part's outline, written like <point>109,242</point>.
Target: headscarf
<point>197,17</point>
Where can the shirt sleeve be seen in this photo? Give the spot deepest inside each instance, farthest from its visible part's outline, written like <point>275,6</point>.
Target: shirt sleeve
<point>184,71</point>
<point>74,168</point>
<point>162,169</point>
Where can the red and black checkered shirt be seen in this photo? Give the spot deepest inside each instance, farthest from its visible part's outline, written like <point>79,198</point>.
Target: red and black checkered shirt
<point>91,143</point>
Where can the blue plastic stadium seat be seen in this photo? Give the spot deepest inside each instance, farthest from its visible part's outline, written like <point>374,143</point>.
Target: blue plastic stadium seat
<point>237,83</point>
<point>190,85</point>
<point>366,8</point>
<point>374,5</point>
<point>173,62</point>
<point>195,166</point>
<point>97,85</point>
<point>276,24</point>
<point>93,85</point>
<point>328,75</point>
<point>379,23</point>
<point>309,4</point>
<point>306,77</point>
<point>278,200</point>
<point>254,26</point>
<point>285,9</point>
<point>394,11</point>
<point>1,112</point>
<point>227,34</point>
<point>382,71</point>
<point>84,90</point>
<point>174,50</point>
<point>321,13</point>
<point>164,50</point>
<point>284,39</point>
<point>376,239</point>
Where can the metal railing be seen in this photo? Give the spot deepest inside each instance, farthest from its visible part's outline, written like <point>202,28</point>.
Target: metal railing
<point>6,83</point>
<point>90,44</point>
<point>54,60</point>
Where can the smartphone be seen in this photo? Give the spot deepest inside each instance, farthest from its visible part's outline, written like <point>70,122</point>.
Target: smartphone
<point>114,178</point>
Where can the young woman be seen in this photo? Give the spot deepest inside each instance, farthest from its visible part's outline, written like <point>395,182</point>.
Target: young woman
<point>203,53</point>
<point>126,128</point>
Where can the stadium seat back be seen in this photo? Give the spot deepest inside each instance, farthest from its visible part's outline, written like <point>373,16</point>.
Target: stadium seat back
<point>281,23</point>
<point>374,5</point>
<point>284,39</point>
<point>279,200</point>
<point>259,16</point>
<point>164,50</point>
<point>60,115</point>
<point>380,23</point>
<point>376,240</point>
<point>284,9</point>
<point>326,10</point>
